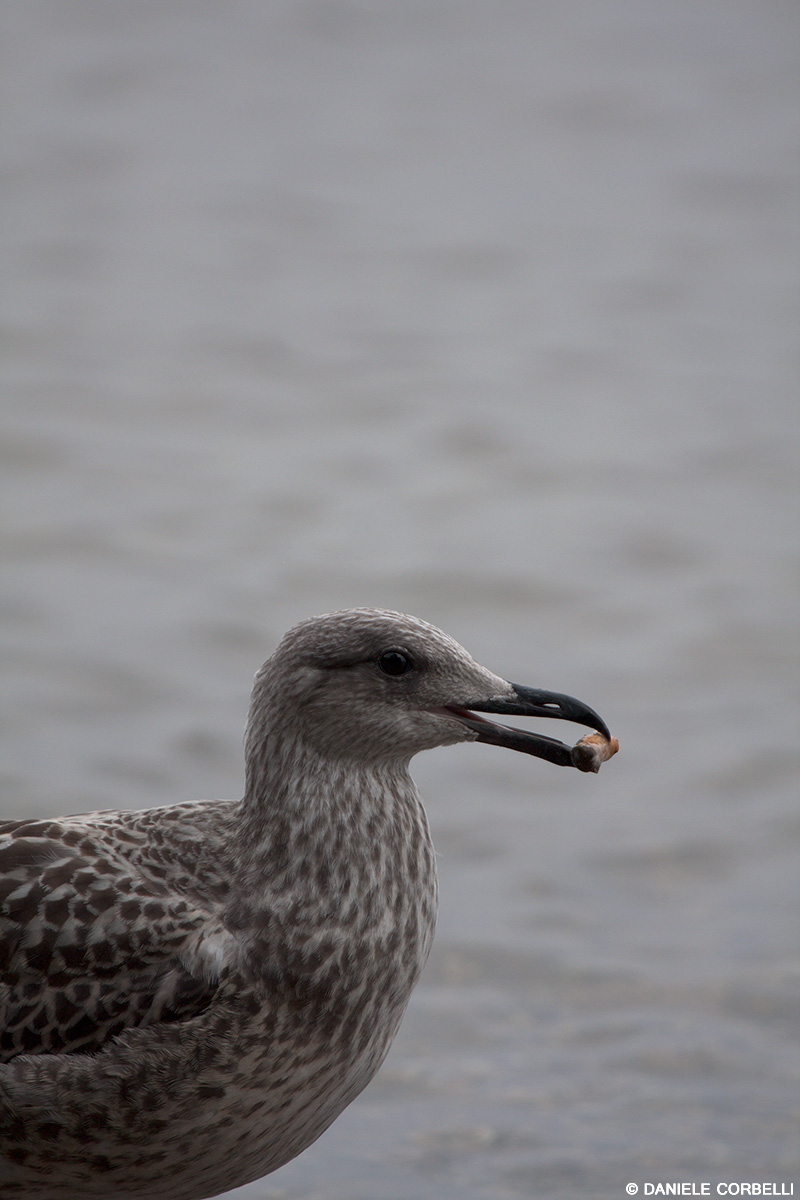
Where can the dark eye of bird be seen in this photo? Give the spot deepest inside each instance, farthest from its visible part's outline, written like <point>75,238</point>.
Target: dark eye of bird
<point>395,662</point>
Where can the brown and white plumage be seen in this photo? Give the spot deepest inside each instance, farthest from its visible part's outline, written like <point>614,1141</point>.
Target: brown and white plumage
<point>190,995</point>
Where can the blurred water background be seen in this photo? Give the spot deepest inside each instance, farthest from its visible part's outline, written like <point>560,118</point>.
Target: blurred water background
<point>487,311</point>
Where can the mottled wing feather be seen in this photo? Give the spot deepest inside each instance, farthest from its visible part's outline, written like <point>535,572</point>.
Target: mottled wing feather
<point>88,947</point>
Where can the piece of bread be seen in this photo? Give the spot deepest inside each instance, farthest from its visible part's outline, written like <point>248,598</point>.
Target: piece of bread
<point>592,750</point>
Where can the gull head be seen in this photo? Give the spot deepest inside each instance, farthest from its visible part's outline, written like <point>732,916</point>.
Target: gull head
<point>377,687</point>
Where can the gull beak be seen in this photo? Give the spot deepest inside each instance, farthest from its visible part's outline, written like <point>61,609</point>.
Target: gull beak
<point>529,702</point>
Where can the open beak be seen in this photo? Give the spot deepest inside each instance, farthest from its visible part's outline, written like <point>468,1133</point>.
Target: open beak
<point>529,702</point>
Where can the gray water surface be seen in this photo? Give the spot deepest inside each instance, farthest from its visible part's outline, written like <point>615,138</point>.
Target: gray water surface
<point>486,311</point>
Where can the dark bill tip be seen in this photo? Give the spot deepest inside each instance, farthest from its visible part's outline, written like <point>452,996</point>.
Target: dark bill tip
<point>537,703</point>
<point>531,702</point>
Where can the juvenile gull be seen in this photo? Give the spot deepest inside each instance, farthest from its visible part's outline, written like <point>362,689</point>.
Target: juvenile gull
<point>190,995</point>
